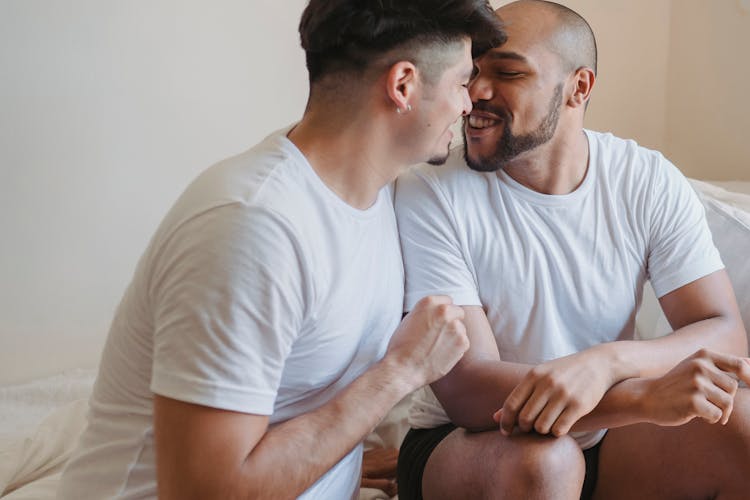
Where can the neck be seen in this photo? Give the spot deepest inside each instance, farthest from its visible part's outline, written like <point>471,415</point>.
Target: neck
<point>557,167</point>
<point>349,153</point>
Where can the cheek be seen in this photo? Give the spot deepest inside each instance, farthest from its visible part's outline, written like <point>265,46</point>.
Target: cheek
<point>467,100</point>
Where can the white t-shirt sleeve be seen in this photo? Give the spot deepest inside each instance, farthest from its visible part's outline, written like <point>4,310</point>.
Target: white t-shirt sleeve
<point>681,249</point>
<point>434,261</point>
<point>229,299</point>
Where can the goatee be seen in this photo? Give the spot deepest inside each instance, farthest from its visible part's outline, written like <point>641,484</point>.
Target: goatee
<point>510,146</point>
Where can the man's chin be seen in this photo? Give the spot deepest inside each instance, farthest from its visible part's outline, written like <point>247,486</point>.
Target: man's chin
<point>475,161</point>
<point>439,159</point>
<point>480,164</point>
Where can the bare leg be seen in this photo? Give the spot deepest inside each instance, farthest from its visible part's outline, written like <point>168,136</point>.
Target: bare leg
<point>696,460</point>
<point>488,465</point>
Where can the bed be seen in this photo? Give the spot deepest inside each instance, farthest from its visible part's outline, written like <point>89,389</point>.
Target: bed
<point>41,420</point>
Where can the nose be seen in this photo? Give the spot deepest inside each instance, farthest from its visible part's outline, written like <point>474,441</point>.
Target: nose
<point>480,89</point>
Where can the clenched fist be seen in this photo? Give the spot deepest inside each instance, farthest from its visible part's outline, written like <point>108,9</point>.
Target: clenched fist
<point>430,340</point>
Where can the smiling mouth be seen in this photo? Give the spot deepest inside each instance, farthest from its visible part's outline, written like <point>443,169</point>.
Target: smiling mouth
<point>481,122</point>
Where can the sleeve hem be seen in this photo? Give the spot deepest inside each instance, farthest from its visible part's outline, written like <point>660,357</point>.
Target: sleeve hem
<point>688,273</point>
<point>460,297</point>
<point>209,394</point>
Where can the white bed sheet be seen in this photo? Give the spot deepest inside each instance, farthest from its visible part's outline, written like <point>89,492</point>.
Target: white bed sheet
<point>40,422</point>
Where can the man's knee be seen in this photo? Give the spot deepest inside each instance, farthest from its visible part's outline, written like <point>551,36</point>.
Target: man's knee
<point>542,460</point>
<point>490,465</point>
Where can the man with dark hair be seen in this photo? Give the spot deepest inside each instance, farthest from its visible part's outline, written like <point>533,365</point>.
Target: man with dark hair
<point>546,241</point>
<point>252,352</point>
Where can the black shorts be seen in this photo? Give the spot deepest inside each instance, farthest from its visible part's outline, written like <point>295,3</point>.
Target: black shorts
<point>419,444</point>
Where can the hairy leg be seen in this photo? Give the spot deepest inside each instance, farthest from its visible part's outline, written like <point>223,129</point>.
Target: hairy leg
<point>488,465</point>
<point>696,460</point>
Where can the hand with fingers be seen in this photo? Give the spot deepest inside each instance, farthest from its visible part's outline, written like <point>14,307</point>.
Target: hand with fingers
<point>701,386</point>
<point>379,470</point>
<point>555,395</point>
<point>430,340</point>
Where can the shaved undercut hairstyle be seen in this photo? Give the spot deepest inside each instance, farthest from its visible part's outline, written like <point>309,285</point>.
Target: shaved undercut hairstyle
<point>352,36</point>
<point>574,40</point>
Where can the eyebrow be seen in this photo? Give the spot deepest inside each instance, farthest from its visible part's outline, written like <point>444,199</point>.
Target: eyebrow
<point>515,56</point>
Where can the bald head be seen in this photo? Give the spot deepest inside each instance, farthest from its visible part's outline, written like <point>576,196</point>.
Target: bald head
<point>564,30</point>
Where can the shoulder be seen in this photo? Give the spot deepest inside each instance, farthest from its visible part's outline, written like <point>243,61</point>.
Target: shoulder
<point>231,236</point>
<point>258,175</point>
<point>627,165</point>
<point>612,149</point>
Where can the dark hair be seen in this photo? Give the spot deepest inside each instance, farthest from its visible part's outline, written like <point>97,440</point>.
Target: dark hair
<point>348,35</point>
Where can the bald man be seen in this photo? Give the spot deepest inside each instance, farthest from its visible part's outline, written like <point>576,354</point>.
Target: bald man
<point>546,239</point>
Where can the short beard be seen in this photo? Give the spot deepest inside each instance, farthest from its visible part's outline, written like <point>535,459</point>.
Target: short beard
<point>440,160</point>
<point>510,146</point>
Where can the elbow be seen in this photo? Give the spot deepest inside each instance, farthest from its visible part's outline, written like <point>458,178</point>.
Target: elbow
<point>469,409</point>
<point>473,420</point>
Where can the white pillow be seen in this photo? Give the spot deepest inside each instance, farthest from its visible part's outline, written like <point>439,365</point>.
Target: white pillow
<point>728,215</point>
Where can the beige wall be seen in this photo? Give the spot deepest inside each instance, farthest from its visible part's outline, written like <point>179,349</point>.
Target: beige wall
<point>675,76</point>
<point>107,111</point>
<point>633,42</point>
<point>708,102</point>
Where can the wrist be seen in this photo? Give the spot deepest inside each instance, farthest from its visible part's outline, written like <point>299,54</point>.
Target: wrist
<point>639,399</point>
<point>616,357</point>
<point>398,377</point>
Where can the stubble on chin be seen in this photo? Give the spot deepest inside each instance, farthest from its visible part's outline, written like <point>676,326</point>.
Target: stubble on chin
<point>509,146</point>
<point>479,164</point>
<point>440,159</point>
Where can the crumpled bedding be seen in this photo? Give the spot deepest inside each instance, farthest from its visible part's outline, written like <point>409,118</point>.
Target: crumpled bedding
<point>41,421</point>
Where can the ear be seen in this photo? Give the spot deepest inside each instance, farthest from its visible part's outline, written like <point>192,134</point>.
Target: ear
<point>582,83</point>
<point>401,84</point>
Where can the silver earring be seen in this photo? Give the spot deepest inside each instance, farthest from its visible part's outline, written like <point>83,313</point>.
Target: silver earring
<point>405,110</point>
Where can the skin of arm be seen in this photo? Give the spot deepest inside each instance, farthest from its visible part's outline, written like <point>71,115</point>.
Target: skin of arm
<point>612,384</point>
<point>208,453</point>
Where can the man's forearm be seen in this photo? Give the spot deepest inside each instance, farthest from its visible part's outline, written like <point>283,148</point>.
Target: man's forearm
<point>477,388</point>
<point>623,403</point>
<point>203,452</point>
<point>473,391</point>
<point>651,358</point>
<point>293,455</point>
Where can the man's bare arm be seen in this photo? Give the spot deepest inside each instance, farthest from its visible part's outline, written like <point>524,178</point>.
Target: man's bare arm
<point>553,396</point>
<point>479,383</point>
<point>207,453</point>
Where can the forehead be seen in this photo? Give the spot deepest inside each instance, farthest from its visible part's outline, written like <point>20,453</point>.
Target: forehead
<point>530,31</point>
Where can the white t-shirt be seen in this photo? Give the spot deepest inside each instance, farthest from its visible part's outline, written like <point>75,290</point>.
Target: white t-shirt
<point>556,273</point>
<point>261,292</point>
